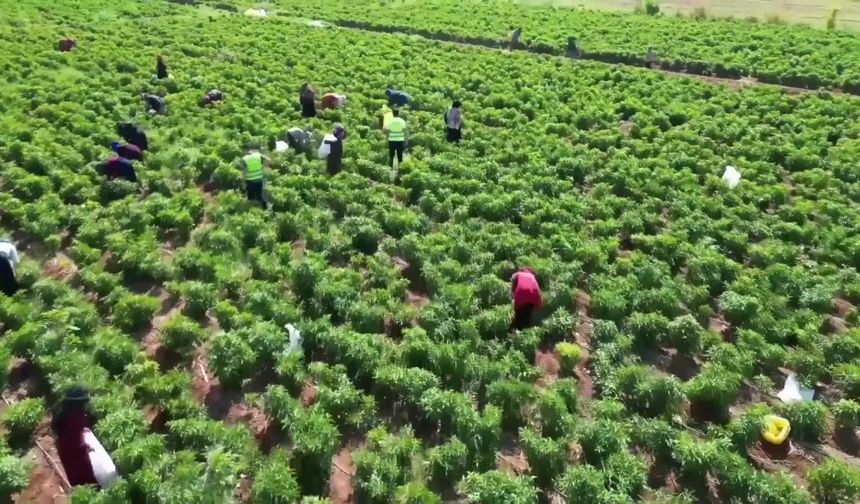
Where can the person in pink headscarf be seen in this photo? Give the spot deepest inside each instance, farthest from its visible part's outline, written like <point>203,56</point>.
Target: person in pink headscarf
<point>526,293</point>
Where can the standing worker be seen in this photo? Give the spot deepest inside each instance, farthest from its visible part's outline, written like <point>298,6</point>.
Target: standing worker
<point>161,68</point>
<point>573,50</point>
<point>306,98</point>
<point>526,294</point>
<point>71,417</point>
<point>454,122</point>
<point>650,58</point>
<point>334,161</point>
<point>396,138</point>
<point>8,263</point>
<point>252,171</point>
<point>515,38</point>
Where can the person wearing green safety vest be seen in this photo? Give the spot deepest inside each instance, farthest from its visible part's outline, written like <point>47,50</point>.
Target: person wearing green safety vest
<point>252,171</point>
<point>396,129</point>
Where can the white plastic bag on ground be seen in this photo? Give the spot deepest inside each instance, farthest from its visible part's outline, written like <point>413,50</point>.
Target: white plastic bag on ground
<point>325,149</point>
<point>295,338</point>
<point>732,177</point>
<point>103,467</point>
<point>792,391</point>
<point>281,146</point>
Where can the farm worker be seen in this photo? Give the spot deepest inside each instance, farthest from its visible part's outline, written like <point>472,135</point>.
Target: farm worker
<point>8,263</point>
<point>211,97</point>
<point>252,171</point>
<point>515,37</point>
<point>333,100</point>
<point>71,417</point>
<point>66,44</point>
<point>298,139</point>
<point>650,58</point>
<point>396,138</point>
<point>306,98</point>
<point>127,151</point>
<point>573,50</point>
<point>119,167</point>
<point>133,134</point>
<point>396,97</point>
<point>526,293</point>
<point>161,68</point>
<point>385,115</point>
<point>334,161</point>
<point>454,122</point>
<point>154,103</point>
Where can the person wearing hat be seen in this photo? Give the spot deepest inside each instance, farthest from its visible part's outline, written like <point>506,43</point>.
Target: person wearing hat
<point>127,151</point>
<point>71,417</point>
<point>334,161</point>
<point>8,262</point>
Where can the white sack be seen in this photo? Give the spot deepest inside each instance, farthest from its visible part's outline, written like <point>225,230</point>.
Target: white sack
<point>103,467</point>
<point>732,177</point>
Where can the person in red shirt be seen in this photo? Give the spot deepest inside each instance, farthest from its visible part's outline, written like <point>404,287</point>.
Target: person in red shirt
<point>526,294</point>
<point>127,151</point>
<point>71,416</point>
<point>119,167</point>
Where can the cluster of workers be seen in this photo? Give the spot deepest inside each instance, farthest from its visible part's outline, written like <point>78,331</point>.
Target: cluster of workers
<point>72,419</point>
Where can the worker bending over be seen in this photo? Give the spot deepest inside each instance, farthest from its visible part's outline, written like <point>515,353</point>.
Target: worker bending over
<point>211,97</point>
<point>397,98</point>
<point>119,167</point>
<point>128,151</point>
<point>154,104</point>
<point>527,297</point>
<point>133,134</point>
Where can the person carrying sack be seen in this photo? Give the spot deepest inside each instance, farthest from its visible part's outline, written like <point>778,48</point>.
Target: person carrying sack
<point>84,459</point>
<point>396,138</point>
<point>332,150</point>
<point>8,263</point>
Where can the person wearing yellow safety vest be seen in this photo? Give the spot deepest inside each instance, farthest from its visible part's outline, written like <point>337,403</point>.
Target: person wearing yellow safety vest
<point>252,171</point>
<point>396,129</point>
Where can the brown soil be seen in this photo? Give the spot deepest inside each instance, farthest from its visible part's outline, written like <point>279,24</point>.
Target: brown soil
<point>847,440</point>
<point>683,366</point>
<point>548,364</point>
<point>582,336</point>
<point>416,299</point>
<point>155,417</point>
<point>299,247</point>
<point>60,268</point>
<point>308,394</point>
<point>151,342</point>
<point>258,423</point>
<point>834,325</point>
<point>340,483</point>
<point>785,457</point>
<point>512,463</point>
<point>841,307</point>
<point>626,127</point>
<point>662,475</point>
<point>417,285</point>
<point>46,485</point>
<point>719,326</point>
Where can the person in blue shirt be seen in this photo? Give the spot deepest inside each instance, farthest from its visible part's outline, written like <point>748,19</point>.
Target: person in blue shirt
<point>396,97</point>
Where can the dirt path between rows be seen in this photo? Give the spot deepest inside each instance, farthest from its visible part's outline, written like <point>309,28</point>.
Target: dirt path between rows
<point>733,83</point>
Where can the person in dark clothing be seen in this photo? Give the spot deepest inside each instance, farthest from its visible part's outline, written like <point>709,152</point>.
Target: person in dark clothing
<point>66,44</point>
<point>154,104</point>
<point>133,134</point>
<point>8,262</point>
<point>454,123</point>
<point>161,68</point>
<point>334,161</point>
<point>71,417</point>
<point>211,97</point>
<point>515,38</point>
<point>118,167</point>
<point>573,50</point>
<point>397,98</point>
<point>128,151</point>
<point>306,98</point>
